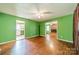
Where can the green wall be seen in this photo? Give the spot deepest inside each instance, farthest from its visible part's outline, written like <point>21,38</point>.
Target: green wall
<point>33,28</point>
<point>8,27</point>
<point>42,28</point>
<point>65,27</point>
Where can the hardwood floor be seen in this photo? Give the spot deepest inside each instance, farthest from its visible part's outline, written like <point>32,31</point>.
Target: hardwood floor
<point>48,45</point>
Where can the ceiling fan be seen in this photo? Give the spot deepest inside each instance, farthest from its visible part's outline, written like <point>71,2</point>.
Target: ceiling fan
<point>46,12</point>
<point>37,6</point>
<point>39,13</point>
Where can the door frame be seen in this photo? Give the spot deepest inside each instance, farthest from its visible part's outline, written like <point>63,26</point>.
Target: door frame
<point>24,27</point>
<point>75,29</point>
<point>49,23</point>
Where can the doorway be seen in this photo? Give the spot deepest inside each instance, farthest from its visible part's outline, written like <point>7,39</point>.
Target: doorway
<point>76,29</point>
<point>20,30</point>
<point>51,29</point>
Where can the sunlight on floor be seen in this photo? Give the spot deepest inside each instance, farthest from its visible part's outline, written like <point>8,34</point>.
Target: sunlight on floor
<point>19,48</point>
<point>20,37</point>
<point>49,41</point>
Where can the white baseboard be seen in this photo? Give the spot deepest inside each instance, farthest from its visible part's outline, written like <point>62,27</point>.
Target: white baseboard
<point>66,40</point>
<point>16,40</point>
<point>32,36</point>
<point>42,35</point>
<point>6,42</point>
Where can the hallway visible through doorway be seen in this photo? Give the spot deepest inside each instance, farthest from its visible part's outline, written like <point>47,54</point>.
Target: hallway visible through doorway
<point>51,29</point>
<point>20,29</point>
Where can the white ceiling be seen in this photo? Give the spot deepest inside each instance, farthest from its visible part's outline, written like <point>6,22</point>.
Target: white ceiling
<point>33,10</point>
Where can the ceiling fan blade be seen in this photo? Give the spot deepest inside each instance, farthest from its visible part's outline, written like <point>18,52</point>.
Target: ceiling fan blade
<point>30,13</point>
<point>47,12</point>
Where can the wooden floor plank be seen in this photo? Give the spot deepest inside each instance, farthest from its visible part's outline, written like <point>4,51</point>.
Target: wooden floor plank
<point>48,45</point>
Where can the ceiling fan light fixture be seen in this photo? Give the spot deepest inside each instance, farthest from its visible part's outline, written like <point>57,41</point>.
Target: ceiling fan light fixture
<point>39,16</point>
